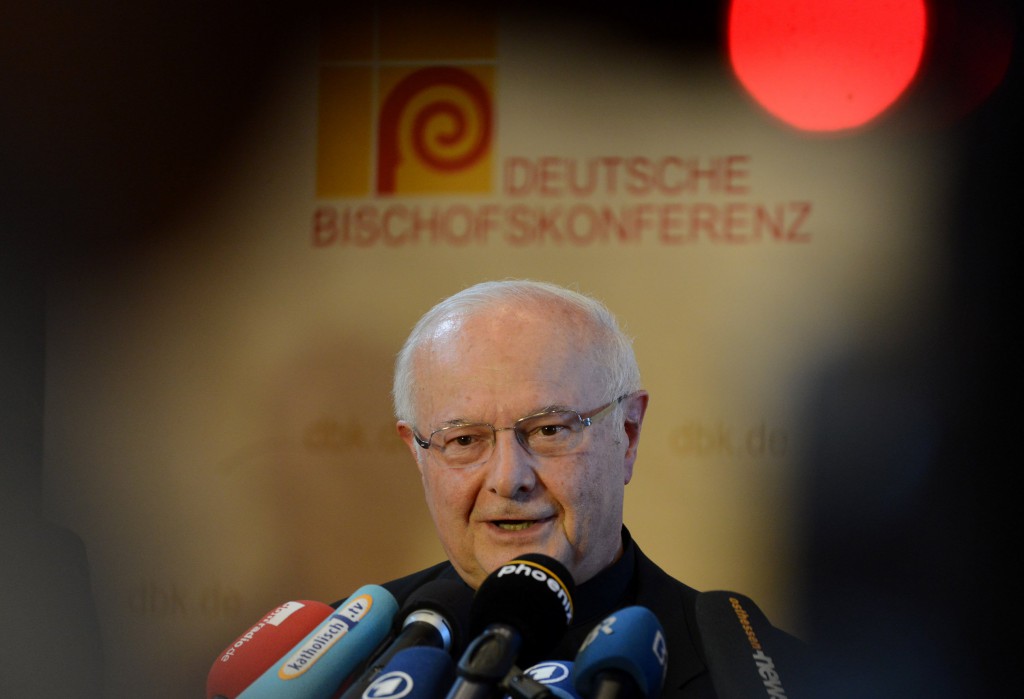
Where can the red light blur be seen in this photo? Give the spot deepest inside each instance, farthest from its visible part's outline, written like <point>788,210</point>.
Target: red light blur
<point>826,65</point>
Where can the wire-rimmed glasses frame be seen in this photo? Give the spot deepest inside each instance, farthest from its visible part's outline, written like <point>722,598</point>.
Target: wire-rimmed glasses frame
<point>554,432</point>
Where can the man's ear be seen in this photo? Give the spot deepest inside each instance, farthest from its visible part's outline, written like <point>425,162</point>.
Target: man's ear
<point>405,432</point>
<point>633,410</point>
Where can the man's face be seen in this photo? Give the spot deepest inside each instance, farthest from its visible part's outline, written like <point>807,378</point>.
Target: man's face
<point>496,367</point>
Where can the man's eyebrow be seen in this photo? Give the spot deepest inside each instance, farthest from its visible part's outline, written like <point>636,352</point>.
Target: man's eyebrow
<point>552,408</point>
<point>462,422</point>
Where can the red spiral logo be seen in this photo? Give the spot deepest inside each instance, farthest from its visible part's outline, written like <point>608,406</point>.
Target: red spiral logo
<point>450,147</point>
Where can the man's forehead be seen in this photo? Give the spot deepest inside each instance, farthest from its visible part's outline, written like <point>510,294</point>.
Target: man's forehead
<point>509,332</point>
<point>534,356</point>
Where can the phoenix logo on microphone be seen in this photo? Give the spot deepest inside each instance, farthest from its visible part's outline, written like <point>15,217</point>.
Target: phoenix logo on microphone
<point>329,633</point>
<point>541,575</point>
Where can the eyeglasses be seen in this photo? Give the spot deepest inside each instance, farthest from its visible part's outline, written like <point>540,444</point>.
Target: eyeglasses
<point>547,433</point>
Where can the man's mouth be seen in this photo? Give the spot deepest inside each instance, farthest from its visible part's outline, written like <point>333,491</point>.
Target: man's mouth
<point>515,525</point>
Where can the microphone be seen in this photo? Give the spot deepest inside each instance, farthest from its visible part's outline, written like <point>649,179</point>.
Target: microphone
<point>741,648</point>
<point>433,616</point>
<point>624,657</point>
<point>316,667</point>
<point>254,651</point>
<point>556,675</point>
<point>520,612</point>
<point>417,672</point>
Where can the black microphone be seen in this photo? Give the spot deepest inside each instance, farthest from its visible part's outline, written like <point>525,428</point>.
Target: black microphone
<point>746,655</point>
<point>520,612</point>
<point>434,616</point>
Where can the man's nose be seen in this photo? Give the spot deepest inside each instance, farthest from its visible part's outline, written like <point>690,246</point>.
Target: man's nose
<point>510,471</point>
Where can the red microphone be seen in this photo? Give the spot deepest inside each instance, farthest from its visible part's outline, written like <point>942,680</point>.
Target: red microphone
<point>249,656</point>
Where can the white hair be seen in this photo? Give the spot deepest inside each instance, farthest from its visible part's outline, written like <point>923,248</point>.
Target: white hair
<point>611,347</point>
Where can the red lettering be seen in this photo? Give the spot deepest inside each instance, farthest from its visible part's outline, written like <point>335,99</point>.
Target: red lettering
<point>582,225</point>
<point>794,234</point>
<point>623,226</point>
<point>611,165</point>
<point>486,221</point>
<point>365,228</point>
<point>587,187</point>
<point>391,237</point>
<point>549,177</point>
<point>458,225</point>
<point>711,174</point>
<point>431,224</point>
<point>639,178</point>
<point>662,180</point>
<point>519,231</point>
<point>668,222</point>
<point>762,220</point>
<point>547,225</point>
<point>704,217</point>
<point>642,218</point>
<point>325,226</point>
<point>519,177</point>
<point>735,223</point>
<point>552,176</point>
<point>736,174</point>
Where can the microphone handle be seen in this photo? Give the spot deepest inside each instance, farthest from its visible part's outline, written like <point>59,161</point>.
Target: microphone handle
<point>615,684</point>
<point>519,685</point>
<point>485,664</point>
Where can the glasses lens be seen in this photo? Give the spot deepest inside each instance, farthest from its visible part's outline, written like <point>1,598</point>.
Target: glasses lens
<point>464,445</point>
<point>548,434</point>
<point>551,434</point>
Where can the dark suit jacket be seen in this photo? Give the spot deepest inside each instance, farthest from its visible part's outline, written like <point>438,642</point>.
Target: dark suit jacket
<point>633,579</point>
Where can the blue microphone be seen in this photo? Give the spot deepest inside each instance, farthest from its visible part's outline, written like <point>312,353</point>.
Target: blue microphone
<point>320,663</point>
<point>556,675</point>
<point>416,672</point>
<point>624,657</point>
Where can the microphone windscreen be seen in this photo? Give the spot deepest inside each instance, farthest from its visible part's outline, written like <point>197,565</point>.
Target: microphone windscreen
<point>419,672</point>
<point>260,646</point>
<point>556,675</point>
<point>630,641</point>
<point>532,594</point>
<point>451,599</point>
<point>321,662</point>
<point>738,647</point>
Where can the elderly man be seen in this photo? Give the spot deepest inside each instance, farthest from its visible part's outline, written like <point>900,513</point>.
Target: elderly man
<point>521,405</point>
